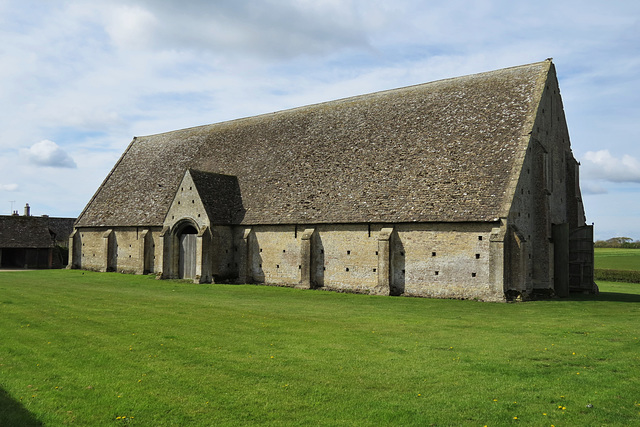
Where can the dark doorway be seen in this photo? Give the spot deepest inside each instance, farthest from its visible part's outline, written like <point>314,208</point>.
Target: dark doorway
<point>26,258</point>
<point>14,258</point>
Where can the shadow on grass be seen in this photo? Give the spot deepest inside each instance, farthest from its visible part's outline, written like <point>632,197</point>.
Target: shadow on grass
<point>606,296</point>
<point>12,413</point>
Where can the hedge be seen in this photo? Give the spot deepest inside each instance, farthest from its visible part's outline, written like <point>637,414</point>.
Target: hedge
<point>628,276</point>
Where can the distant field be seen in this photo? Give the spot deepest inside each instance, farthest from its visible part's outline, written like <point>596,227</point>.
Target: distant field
<point>108,349</point>
<point>617,259</point>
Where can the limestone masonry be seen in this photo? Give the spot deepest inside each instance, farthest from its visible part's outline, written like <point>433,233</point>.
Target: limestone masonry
<point>459,188</point>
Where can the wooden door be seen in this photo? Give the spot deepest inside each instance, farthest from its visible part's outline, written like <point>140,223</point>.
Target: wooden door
<point>187,256</point>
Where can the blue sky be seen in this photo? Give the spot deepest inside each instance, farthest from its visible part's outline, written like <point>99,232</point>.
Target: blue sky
<point>80,78</point>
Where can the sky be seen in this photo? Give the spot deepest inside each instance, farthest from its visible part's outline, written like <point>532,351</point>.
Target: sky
<point>79,78</point>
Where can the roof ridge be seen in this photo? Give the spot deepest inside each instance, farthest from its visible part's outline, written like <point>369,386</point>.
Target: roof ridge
<point>345,99</point>
<point>438,151</point>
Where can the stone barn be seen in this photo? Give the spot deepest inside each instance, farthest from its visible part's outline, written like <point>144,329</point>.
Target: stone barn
<point>28,241</point>
<point>459,188</point>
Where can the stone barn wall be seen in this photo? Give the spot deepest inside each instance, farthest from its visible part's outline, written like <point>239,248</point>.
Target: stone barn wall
<point>546,205</point>
<point>434,260</point>
<point>275,255</point>
<point>346,257</point>
<point>224,254</point>
<point>123,249</point>
<point>444,260</point>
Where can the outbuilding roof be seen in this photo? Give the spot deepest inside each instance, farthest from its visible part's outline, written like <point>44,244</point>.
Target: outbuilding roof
<point>34,232</point>
<point>436,152</point>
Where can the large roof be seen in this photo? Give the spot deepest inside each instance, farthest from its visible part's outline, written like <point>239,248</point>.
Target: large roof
<point>441,151</point>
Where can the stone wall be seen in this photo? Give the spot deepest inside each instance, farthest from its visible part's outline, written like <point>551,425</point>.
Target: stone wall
<point>125,249</point>
<point>546,200</point>
<point>432,260</point>
<point>346,257</point>
<point>275,255</point>
<point>87,248</point>
<point>187,204</point>
<point>224,254</point>
<point>444,260</point>
<point>439,260</point>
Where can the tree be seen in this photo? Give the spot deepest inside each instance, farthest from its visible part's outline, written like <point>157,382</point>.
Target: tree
<point>618,242</point>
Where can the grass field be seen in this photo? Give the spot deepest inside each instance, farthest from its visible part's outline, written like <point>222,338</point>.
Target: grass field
<point>108,349</point>
<point>617,259</point>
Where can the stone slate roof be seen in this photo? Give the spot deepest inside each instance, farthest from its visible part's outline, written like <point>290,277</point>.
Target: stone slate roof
<point>34,232</point>
<point>440,151</point>
<point>60,228</point>
<point>220,195</point>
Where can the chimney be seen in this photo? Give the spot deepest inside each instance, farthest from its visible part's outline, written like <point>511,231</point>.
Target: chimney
<point>27,210</point>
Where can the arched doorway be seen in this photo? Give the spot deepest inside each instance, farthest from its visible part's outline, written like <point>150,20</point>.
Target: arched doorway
<point>187,245</point>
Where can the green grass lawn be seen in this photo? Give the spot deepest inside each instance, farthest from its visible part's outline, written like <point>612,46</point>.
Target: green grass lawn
<point>617,259</point>
<point>106,349</point>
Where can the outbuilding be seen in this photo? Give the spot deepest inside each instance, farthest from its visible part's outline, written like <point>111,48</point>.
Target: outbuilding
<point>28,241</point>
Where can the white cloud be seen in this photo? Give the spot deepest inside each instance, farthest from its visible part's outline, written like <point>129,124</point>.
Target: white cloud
<point>602,165</point>
<point>90,75</point>
<point>266,29</point>
<point>131,26</point>
<point>8,187</point>
<point>48,153</point>
<point>592,188</point>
